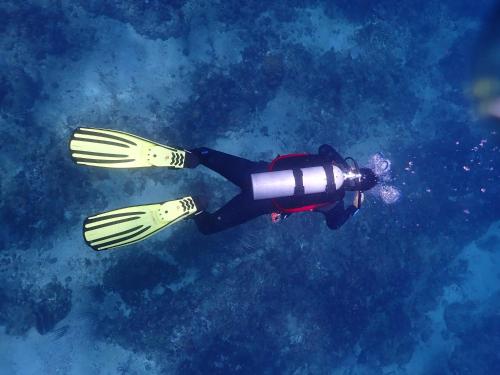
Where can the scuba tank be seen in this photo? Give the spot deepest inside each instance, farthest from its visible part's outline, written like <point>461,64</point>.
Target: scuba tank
<point>287,183</point>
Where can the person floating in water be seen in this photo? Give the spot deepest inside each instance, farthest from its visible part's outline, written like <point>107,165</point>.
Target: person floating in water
<point>288,184</point>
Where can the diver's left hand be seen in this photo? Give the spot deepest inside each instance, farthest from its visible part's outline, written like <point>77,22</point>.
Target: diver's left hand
<point>359,198</point>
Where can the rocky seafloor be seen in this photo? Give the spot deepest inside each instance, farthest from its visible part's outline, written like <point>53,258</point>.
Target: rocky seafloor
<point>409,288</point>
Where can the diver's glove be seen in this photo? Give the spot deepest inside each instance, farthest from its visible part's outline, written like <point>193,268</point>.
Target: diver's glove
<point>277,217</point>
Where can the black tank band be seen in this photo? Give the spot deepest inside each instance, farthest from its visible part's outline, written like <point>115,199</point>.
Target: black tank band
<point>330,179</point>
<point>299,182</point>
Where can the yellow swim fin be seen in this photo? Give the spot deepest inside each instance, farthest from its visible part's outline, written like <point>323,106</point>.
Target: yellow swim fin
<point>133,224</point>
<point>116,149</point>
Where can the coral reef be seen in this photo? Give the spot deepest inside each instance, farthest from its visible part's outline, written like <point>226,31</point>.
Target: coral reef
<point>136,273</point>
<point>39,307</point>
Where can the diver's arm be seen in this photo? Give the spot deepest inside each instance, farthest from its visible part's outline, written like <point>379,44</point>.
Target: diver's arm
<point>330,153</point>
<point>337,216</point>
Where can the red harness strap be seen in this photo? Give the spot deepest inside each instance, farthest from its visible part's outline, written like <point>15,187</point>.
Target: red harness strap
<point>291,210</point>
<point>281,157</point>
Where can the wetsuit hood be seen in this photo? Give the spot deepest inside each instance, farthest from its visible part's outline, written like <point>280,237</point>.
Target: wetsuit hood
<point>359,179</point>
<point>364,180</point>
<point>368,179</point>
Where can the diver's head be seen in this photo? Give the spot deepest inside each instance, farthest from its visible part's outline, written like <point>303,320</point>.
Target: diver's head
<point>368,179</point>
<point>362,180</point>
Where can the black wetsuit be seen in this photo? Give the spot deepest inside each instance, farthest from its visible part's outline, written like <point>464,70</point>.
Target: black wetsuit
<point>243,207</point>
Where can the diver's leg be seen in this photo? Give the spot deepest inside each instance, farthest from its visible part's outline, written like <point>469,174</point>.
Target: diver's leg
<point>238,210</point>
<point>235,169</point>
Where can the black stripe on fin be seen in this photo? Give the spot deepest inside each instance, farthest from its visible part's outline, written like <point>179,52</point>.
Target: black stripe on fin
<point>100,141</point>
<point>100,161</point>
<point>112,223</point>
<point>118,240</point>
<point>112,216</point>
<point>117,234</point>
<point>91,153</point>
<point>104,135</point>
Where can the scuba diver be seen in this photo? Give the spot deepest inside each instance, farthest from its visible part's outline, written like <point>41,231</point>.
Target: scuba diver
<point>288,184</point>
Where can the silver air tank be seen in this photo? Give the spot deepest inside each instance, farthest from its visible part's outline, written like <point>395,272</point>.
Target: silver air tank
<point>276,184</point>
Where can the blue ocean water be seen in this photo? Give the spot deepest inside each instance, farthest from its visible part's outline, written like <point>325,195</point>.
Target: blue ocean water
<point>407,288</point>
